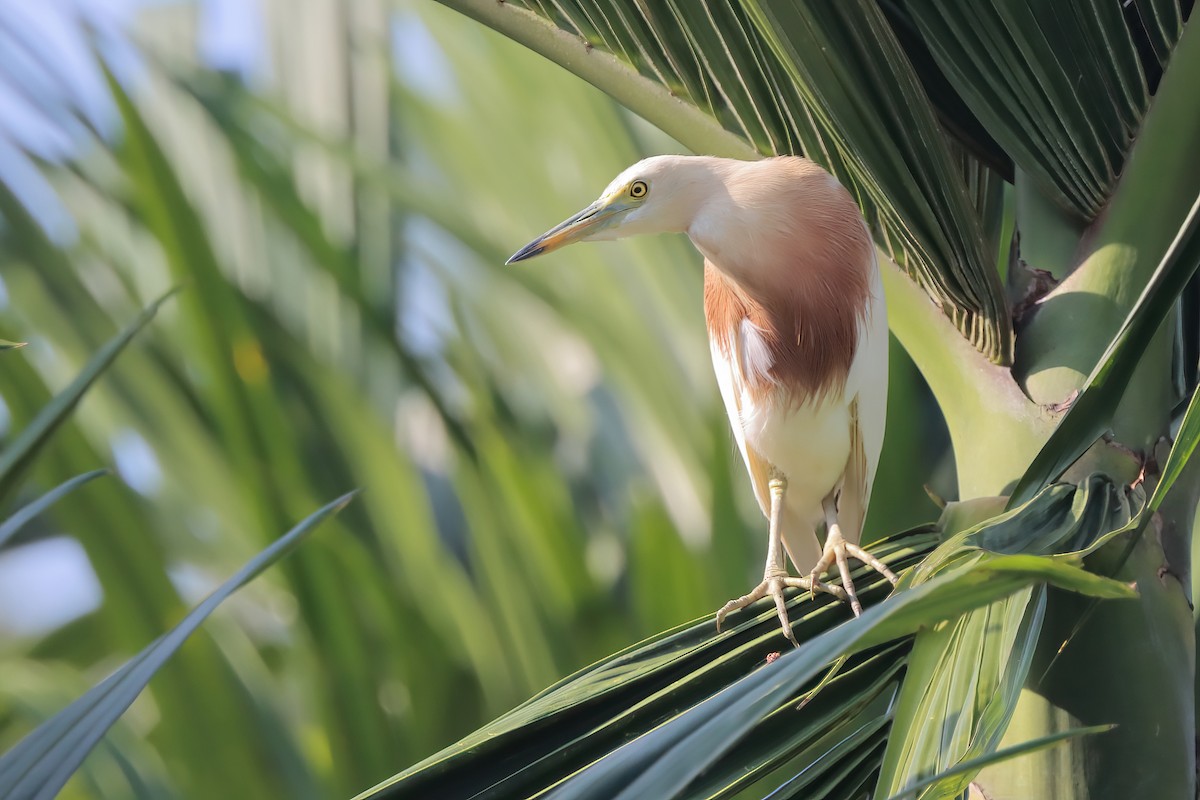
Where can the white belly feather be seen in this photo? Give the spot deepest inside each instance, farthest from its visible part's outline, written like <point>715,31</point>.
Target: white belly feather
<point>809,443</point>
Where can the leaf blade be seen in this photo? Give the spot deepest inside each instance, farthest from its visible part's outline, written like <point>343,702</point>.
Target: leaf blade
<point>15,459</point>
<point>662,763</point>
<point>1024,748</point>
<point>15,522</point>
<point>41,764</point>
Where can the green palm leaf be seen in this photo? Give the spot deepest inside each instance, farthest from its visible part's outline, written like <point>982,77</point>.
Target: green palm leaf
<point>19,454</point>
<point>28,512</point>
<point>964,678</point>
<point>974,765</point>
<point>1062,88</point>
<point>687,685</point>
<point>40,765</point>
<point>576,722</point>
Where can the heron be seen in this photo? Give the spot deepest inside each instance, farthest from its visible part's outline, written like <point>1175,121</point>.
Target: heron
<point>797,327</point>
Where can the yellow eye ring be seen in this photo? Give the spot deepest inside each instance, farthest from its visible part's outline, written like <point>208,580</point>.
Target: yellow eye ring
<point>638,189</point>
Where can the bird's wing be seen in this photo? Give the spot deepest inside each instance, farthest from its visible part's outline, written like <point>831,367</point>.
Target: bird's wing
<point>799,539</point>
<point>731,378</point>
<point>731,383</point>
<point>866,389</point>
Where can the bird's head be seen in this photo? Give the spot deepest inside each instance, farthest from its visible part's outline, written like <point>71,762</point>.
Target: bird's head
<point>655,195</point>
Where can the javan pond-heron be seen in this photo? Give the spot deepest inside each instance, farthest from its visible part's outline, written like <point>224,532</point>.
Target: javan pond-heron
<point>798,331</point>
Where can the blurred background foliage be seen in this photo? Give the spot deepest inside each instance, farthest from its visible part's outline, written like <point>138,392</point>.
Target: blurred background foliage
<point>335,184</point>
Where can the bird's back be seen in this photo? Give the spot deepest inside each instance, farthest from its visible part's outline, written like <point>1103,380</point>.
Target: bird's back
<point>799,339</point>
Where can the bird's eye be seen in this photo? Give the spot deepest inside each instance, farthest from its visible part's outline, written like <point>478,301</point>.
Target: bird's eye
<point>638,189</point>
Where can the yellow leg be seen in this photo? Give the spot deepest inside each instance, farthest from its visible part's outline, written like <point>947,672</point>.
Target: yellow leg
<point>839,550</point>
<point>775,576</point>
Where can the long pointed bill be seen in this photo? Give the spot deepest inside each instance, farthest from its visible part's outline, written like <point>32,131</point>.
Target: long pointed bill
<point>591,220</point>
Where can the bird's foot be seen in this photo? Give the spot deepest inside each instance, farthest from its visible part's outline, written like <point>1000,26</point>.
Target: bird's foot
<point>773,584</point>
<point>837,549</point>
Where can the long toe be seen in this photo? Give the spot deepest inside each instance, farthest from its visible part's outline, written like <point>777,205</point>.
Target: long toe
<point>757,593</point>
<point>812,585</point>
<point>776,590</point>
<point>847,581</point>
<point>838,550</point>
<point>874,563</point>
<point>838,547</point>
